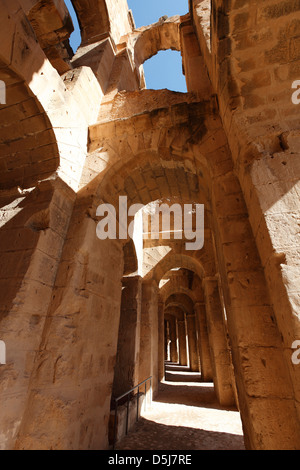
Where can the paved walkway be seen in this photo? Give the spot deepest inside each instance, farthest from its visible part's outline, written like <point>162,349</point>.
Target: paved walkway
<point>185,416</point>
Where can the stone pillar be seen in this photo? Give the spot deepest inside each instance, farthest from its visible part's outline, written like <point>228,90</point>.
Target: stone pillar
<point>126,370</point>
<point>161,342</point>
<point>266,393</point>
<point>74,364</point>
<point>218,343</point>
<point>193,343</point>
<point>182,333</point>
<point>173,338</point>
<point>193,61</point>
<point>33,231</point>
<point>167,339</point>
<point>148,364</point>
<point>203,344</point>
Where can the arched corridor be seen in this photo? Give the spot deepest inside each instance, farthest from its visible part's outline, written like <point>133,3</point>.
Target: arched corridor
<point>194,407</point>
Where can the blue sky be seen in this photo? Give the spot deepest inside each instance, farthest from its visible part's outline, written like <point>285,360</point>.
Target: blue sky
<point>75,38</point>
<point>165,69</point>
<point>149,11</point>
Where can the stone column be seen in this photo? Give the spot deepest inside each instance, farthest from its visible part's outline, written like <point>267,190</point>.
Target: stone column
<point>266,394</point>
<point>126,370</point>
<point>161,342</point>
<point>193,343</point>
<point>218,343</point>
<point>173,338</point>
<point>32,236</point>
<point>148,364</point>
<point>193,61</point>
<point>167,339</point>
<point>183,359</point>
<point>203,344</point>
<point>74,364</point>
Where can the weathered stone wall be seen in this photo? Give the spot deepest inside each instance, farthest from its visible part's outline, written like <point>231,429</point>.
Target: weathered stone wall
<point>34,226</point>
<point>252,60</point>
<point>126,375</point>
<point>68,404</point>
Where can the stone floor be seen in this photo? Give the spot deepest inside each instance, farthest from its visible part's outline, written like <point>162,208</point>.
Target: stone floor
<point>185,416</point>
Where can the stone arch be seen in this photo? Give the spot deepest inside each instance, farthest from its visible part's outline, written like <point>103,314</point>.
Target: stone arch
<point>180,278</point>
<point>93,19</point>
<point>150,175</point>
<point>148,41</point>
<point>23,58</point>
<point>191,136</point>
<point>52,24</point>
<point>101,19</point>
<point>167,291</point>
<point>28,151</point>
<point>176,311</point>
<point>184,303</point>
<point>176,260</point>
<point>181,300</point>
<point>147,178</point>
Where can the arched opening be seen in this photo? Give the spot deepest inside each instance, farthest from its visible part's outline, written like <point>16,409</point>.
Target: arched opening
<point>158,172</point>
<point>164,70</point>
<point>75,38</point>
<point>93,19</point>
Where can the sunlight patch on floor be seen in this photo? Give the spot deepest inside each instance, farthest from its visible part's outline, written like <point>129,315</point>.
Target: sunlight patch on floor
<point>196,417</point>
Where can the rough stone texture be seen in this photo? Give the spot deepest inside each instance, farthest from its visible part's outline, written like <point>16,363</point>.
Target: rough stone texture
<point>218,346</point>
<point>204,350</point>
<point>126,370</point>
<point>79,132</point>
<point>52,24</point>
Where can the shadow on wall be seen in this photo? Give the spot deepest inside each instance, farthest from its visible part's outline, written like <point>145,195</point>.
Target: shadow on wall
<point>27,217</point>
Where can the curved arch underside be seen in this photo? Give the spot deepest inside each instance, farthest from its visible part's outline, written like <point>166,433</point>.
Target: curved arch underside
<point>28,148</point>
<point>161,36</point>
<point>173,260</point>
<point>93,19</point>
<point>182,301</point>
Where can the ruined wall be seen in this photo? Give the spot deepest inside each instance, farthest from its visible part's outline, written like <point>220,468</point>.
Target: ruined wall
<point>34,226</point>
<point>44,126</point>
<point>68,404</point>
<point>252,60</point>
